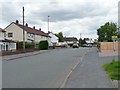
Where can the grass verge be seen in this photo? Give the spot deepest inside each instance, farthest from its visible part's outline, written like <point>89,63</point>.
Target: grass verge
<point>113,69</point>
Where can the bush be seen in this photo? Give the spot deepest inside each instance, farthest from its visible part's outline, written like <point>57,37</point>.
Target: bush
<point>27,45</point>
<point>43,45</point>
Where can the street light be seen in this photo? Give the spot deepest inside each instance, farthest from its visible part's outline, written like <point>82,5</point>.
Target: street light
<point>48,23</point>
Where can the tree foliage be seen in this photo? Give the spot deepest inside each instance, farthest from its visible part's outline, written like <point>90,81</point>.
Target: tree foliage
<point>106,32</point>
<point>60,36</point>
<point>82,41</point>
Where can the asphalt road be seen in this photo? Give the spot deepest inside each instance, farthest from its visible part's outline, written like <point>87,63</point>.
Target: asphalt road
<point>47,70</point>
<point>90,73</point>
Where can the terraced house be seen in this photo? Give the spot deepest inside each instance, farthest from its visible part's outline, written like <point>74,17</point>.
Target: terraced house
<point>14,32</point>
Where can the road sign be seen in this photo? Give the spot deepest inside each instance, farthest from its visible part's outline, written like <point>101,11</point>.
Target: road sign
<point>114,36</point>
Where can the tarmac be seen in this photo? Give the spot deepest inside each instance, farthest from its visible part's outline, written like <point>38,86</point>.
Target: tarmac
<point>90,73</point>
<point>104,57</point>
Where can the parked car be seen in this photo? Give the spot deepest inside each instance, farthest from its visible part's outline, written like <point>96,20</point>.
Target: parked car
<point>75,46</point>
<point>87,45</point>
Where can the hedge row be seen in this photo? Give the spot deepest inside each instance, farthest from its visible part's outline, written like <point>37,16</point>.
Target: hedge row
<point>27,45</point>
<point>43,45</point>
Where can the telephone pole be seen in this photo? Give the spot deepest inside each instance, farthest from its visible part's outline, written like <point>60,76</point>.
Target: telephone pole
<point>80,40</point>
<point>23,32</point>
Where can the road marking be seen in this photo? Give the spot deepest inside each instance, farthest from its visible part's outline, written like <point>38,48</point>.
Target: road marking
<point>79,62</point>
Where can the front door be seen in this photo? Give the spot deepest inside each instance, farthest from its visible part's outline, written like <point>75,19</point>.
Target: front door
<point>6,47</point>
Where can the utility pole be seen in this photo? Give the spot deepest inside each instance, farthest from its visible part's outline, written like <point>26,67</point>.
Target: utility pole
<point>48,23</point>
<point>80,40</point>
<point>23,32</point>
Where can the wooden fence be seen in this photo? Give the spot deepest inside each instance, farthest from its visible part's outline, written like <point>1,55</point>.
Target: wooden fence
<point>110,46</point>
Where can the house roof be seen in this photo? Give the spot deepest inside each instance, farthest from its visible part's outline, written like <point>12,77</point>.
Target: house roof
<point>52,35</point>
<point>1,30</point>
<point>70,39</point>
<point>33,30</point>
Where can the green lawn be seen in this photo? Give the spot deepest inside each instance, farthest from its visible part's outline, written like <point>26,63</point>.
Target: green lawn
<point>113,69</point>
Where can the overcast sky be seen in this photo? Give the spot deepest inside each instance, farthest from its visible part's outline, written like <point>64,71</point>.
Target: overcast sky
<point>71,17</point>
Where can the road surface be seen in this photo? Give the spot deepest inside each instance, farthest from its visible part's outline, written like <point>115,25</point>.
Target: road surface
<point>90,73</point>
<point>52,70</point>
<point>47,70</point>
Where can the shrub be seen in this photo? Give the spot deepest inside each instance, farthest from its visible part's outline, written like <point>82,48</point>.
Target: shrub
<point>27,45</point>
<point>43,45</point>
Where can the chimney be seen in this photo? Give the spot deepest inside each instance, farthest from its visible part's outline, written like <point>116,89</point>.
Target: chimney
<point>26,25</point>
<point>33,27</point>
<point>40,29</point>
<point>17,21</point>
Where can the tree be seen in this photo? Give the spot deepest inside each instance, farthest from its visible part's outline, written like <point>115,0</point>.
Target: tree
<point>82,41</point>
<point>106,32</point>
<point>60,36</point>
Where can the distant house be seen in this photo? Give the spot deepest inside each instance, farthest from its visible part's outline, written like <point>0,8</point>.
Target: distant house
<point>14,32</point>
<point>6,44</point>
<point>54,39</point>
<point>89,40</point>
<point>71,40</point>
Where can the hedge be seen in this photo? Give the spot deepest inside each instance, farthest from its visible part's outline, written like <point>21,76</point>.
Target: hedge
<point>27,45</point>
<point>43,45</point>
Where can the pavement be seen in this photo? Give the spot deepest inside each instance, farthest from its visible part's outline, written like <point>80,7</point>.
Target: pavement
<point>108,56</point>
<point>16,56</point>
<point>22,55</point>
<point>90,73</point>
<point>105,53</point>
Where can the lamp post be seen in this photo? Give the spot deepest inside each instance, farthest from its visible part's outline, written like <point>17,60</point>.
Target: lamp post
<point>48,24</point>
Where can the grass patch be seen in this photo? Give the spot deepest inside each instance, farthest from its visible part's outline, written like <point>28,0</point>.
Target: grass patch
<point>113,69</point>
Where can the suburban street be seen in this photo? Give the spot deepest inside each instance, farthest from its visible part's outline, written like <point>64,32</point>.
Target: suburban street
<point>47,70</point>
<point>60,44</point>
<point>50,70</point>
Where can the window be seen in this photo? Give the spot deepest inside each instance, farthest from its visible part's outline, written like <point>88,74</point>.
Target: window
<point>28,34</point>
<point>10,34</point>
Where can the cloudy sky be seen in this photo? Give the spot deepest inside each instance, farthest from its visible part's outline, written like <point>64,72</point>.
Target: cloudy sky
<point>71,17</point>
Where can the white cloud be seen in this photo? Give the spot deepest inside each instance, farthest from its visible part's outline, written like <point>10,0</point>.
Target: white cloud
<point>72,17</point>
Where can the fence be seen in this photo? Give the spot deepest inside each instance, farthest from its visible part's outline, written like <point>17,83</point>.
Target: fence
<point>113,46</point>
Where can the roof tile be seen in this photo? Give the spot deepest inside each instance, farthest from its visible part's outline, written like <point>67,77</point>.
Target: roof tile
<point>33,30</point>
